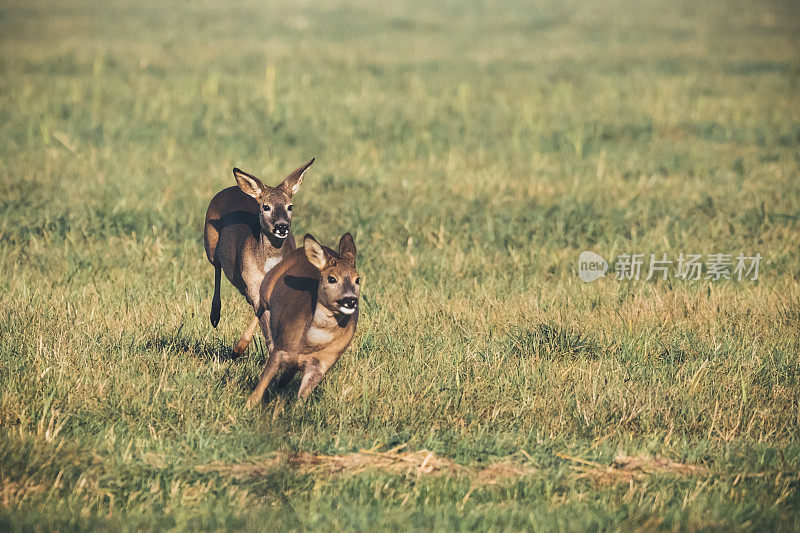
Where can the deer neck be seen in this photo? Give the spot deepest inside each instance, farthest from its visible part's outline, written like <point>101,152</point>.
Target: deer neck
<point>270,244</point>
<point>323,326</point>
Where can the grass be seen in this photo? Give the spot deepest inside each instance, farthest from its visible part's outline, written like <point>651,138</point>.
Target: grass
<point>473,150</point>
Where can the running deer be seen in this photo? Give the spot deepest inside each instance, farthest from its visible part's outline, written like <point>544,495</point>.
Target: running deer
<point>312,299</point>
<point>247,234</point>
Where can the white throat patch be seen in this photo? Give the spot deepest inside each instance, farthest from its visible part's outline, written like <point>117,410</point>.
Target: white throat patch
<point>270,263</point>
<point>322,327</point>
<point>317,336</point>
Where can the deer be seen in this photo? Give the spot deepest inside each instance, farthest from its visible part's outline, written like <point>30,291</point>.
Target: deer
<point>247,232</point>
<point>312,298</point>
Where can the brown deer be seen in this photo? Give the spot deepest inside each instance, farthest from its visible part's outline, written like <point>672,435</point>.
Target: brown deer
<point>247,233</point>
<point>312,299</point>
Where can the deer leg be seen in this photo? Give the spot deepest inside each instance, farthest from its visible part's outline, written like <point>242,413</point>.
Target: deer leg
<point>312,375</point>
<point>216,303</point>
<point>270,369</point>
<point>247,336</point>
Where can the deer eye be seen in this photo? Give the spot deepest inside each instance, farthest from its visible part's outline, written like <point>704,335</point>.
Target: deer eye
<point>290,207</point>
<point>358,281</point>
<point>331,279</point>
<point>265,207</point>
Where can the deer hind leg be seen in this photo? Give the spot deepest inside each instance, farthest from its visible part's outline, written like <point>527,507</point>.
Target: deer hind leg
<point>216,303</point>
<point>246,338</point>
<point>270,369</point>
<point>252,296</point>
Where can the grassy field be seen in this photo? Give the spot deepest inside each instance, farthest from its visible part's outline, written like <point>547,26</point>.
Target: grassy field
<point>473,150</point>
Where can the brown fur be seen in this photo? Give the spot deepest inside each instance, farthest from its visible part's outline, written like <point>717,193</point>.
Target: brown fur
<point>240,237</point>
<point>307,320</point>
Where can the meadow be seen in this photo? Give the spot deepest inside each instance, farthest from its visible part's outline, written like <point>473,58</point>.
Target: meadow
<point>474,150</point>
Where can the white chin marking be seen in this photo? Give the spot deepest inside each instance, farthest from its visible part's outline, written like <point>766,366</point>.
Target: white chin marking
<point>347,311</point>
<point>279,236</point>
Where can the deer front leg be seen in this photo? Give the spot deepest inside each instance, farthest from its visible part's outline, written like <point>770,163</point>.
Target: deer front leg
<point>270,369</point>
<point>312,375</point>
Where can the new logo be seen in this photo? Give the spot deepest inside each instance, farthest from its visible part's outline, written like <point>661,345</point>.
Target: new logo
<point>591,266</point>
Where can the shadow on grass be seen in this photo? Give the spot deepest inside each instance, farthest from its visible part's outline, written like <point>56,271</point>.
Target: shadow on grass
<point>287,390</point>
<point>284,387</point>
<point>552,341</point>
<point>177,342</point>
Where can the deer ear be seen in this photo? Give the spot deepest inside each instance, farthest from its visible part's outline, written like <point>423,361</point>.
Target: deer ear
<point>249,184</point>
<point>292,182</point>
<point>314,252</point>
<point>347,246</point>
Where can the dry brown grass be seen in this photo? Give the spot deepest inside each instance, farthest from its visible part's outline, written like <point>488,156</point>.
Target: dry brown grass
<point>15,492</point>
<point>422,462</point>
<point>626,469</point>
<point>623,469</point>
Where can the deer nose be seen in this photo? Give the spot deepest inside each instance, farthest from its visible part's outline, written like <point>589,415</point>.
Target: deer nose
<point>349,302</point>
<point>281,230</point>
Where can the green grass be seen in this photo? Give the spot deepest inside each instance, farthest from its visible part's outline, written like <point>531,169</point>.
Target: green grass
<point>473,150</point>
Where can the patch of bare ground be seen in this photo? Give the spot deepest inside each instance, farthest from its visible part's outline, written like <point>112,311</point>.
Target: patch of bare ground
<point>625,469</point>
<point>423,463</point>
